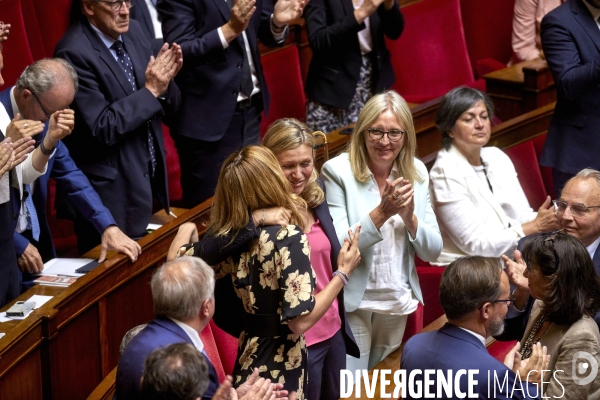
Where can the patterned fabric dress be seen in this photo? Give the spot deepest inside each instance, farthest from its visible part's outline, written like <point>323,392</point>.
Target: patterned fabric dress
<point>273,277</point>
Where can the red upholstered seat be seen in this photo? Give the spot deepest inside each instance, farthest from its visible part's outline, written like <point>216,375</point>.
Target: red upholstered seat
<point>499,350</point>
<point>173,168</point>
<point>538,144</point>
<point>63,235</point>
<point>414,324</point>
<point>431,57</point>
<point>227,346</point>
<point>53,22</point>
<point>16,50</point>
<point>284,80</point>
<point>429,280</point>
<point>32,25</point>
<point>212,351</point>
<point>488,43</point>
<point>526,163</point>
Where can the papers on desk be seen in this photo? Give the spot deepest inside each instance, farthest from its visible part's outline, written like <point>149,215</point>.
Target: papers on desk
<point>61,271</point>
<point>39,301</point>
<point>153,227</point>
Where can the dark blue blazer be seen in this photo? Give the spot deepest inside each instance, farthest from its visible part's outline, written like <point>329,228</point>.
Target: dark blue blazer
<point>141,14</point>
<point>110,139</point>
<point>160,332</point>
<point>215,250</point>
<point>211,75</point>
<point>571,44</point>
<point>70,181</point>
<point>451,348</point>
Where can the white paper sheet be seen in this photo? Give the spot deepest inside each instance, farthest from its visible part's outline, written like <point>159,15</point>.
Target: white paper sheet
<point>65,266</point>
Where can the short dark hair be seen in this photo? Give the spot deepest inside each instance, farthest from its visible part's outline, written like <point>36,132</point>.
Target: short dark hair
<point>469,282</point>
<point>573,287</point>
<point>175,372</point>
<point>454,104</point>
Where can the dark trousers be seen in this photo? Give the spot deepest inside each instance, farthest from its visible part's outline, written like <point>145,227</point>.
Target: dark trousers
<point>201,161</point>
<point>325,361</point>
<point>9,271</point>
<point>560,179</point>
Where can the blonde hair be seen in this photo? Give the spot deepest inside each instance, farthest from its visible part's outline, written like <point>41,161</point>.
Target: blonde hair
<point>376,106</point>
<point>250,178</point>
<point>288,134</point>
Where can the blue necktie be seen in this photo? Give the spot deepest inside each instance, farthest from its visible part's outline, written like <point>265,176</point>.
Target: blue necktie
<point>127,66</point>
<point>32,216</point>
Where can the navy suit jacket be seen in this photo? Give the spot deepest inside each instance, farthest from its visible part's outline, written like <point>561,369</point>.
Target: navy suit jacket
<point>70,181</point>
<point>141,14</point>
<point>215,250</point>
<point>333,35</point>
<point>211,75</point>
<point>452,348</point>
<point>160,332</point>
<point>110,139</point>
<point>571,44</point>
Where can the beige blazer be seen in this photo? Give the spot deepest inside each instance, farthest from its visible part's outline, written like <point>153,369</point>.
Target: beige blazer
<point>563,343</point>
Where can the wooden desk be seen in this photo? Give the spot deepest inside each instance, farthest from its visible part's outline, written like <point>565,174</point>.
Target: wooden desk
<point>521,88</point>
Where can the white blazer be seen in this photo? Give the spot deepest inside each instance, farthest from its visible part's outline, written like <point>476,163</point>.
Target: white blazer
<point>350,203</point>
<point>472,219</point>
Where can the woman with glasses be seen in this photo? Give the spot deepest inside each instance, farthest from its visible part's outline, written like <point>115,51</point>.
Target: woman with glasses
<point>479,203</point>
<point>562,279</point>
<point>380,185</point>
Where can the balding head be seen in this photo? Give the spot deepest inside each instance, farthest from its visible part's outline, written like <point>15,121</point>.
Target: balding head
<point>583,190</point>
<point>180,288</point>
<point>46,86</point>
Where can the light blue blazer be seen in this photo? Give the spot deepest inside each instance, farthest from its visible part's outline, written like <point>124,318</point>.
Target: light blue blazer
<point>350,203</point>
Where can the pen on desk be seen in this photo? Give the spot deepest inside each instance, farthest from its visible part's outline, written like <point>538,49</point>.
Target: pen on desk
<point>172,215</point>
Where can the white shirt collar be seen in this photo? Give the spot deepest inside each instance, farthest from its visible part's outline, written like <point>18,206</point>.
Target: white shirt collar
<point>594,11</point>
<point>477,335</point>
<point>593,247</point>
<point>107,40</point>
<point>193,335</point>
<point>13,102</point>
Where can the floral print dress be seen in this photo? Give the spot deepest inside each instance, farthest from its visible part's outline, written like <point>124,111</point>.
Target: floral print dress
<point>274,276</point>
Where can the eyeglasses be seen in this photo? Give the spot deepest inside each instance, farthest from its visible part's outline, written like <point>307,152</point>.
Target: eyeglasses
<point>377,134</point>
<point>116,5</point>
<point>44,110</point>
<point>507,301</point>
<point>578,210</point>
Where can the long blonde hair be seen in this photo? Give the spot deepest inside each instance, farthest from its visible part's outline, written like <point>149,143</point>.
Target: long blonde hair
<point>376,106</point>
<point>289,134</point>
<point>250,178</point>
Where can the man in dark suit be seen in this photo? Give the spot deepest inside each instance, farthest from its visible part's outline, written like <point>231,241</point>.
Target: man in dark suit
<point>475,294</point>
<point>123,94</point>
<point>578,213</point>
<point>222,84</point>
<point>182,293</point>
<point>571,43</point>
<point>44,87</point>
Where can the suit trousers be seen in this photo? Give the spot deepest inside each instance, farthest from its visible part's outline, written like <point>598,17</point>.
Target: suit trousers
<point>9,271</point>
<point>201,161</point>
<point>325,360</point>
<point>377,335</point>
<point>560,179</point>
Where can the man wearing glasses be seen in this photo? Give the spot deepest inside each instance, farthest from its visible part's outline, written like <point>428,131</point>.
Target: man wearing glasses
<point>123,95</point>
<point>42,95</point>
<point>578,213</point>
<point>475,295</point>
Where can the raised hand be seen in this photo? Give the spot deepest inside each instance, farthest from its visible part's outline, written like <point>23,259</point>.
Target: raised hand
<point>287,10</point>
<point>163,68</point>
<point>61,125</point>
<point>23,128</point>
<point>349,256</point>
<point>272,216</point>
<point>21,148</point>
<point>6,156</point>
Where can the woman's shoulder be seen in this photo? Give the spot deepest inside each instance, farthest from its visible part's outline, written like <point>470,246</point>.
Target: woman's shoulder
<point>585,328</point>
<point>492,153</point>
<point>342,159</point>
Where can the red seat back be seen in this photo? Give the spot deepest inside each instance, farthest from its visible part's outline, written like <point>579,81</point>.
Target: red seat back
<point>429,280</point>
<point>212,351</point>
<point>227,346</point>
<point>430,57</point>
<point>284,80</point>
<point>487,41</point>
<point>526,164</point>
<point>53,22</point>
<point>173,168</point>
<point>538,144</point>
<point>16,50</point>
<point>499,350</point>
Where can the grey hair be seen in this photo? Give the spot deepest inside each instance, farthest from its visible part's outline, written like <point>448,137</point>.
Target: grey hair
<point>180,287</point>
<point>42,75</point>
<point>588,173</point>
<point>454,104</point>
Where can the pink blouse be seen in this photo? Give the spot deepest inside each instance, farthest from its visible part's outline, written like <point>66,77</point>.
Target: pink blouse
<point>320,258</point>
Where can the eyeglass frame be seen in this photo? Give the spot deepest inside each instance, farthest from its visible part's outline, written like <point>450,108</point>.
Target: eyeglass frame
<point>383,133</point>
<point>577,213</point>
<point>44,110</point>
<point>112,4</point>
<point>507,301</point>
